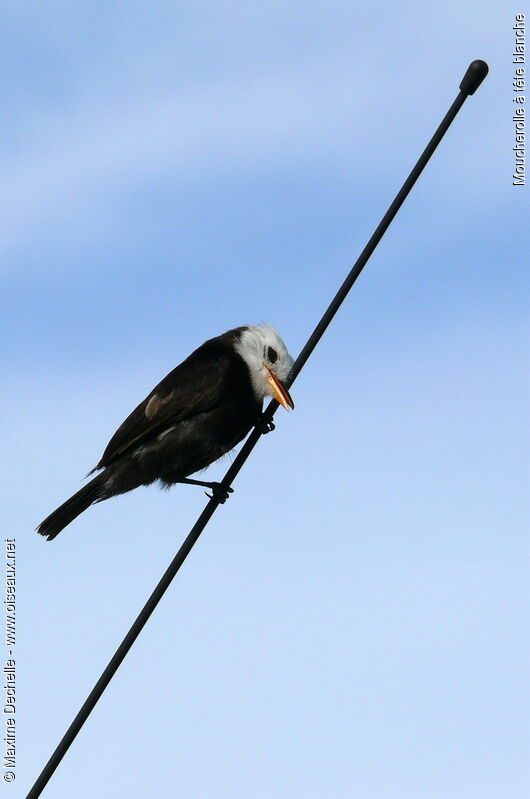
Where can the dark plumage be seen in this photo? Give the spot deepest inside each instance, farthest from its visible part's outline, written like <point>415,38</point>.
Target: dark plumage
<point>196,414</point>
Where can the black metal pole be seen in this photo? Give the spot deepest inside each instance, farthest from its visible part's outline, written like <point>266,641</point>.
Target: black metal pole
<point>474,76</point>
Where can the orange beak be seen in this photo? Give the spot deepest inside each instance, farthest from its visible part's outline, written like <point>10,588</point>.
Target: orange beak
<point>279,391</point>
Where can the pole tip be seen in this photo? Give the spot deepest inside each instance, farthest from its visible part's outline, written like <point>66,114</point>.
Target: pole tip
<point>476,72</point>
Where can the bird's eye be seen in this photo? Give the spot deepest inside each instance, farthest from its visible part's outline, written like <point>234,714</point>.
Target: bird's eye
<point>272,355</point>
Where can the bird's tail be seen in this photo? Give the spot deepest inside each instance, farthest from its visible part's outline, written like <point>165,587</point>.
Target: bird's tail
<point>69,510</point>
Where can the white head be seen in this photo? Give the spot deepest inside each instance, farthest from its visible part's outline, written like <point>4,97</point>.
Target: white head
<point>268,361</point>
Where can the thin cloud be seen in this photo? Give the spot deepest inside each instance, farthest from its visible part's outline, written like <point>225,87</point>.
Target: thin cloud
<point>220,126</point>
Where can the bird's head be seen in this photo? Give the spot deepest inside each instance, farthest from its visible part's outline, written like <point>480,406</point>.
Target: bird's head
<point>268,361</point>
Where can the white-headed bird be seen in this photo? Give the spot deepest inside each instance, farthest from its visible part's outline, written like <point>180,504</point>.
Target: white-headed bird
<point>196,414</point>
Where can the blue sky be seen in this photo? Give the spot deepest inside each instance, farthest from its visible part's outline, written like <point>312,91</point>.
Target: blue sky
<point>354,621</point>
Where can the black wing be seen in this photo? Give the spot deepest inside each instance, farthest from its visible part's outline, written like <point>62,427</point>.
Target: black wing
<point>195,386</point>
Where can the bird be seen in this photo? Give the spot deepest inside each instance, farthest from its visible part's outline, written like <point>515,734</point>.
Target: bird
<point>200,411</point>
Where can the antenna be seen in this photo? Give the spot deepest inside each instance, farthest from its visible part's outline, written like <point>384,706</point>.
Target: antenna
<point>474,76</point>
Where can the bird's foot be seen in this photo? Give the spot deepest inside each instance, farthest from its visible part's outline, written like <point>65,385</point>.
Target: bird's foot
<point>265,425</point>
<point>220,493</point>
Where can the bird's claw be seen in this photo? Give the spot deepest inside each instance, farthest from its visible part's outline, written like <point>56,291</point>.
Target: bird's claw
<point>265,425</point>
<point>220,493</point>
